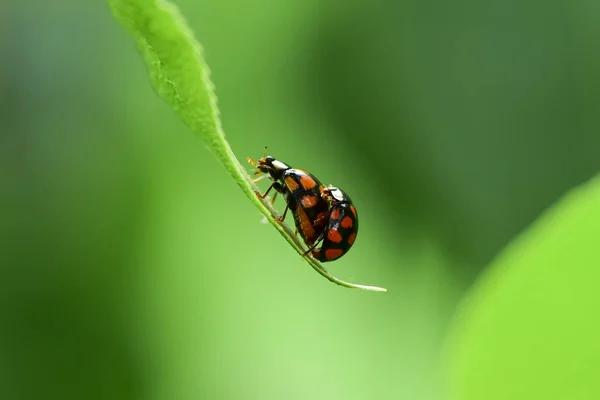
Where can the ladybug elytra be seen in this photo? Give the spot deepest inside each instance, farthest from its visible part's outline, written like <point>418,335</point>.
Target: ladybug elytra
<point>342,226</point>
<point>302,192</point>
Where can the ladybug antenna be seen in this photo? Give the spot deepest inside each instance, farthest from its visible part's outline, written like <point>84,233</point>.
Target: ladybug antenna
<point>266,150</point>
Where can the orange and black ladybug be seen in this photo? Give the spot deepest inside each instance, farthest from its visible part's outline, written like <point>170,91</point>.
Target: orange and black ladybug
<point>302,192</point>
<point>342,226</point>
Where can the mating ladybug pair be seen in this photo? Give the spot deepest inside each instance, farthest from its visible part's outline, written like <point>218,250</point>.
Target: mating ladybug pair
<point>322,214</point>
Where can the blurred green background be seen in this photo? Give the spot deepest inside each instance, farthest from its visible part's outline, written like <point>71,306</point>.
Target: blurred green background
<point>133,267</point>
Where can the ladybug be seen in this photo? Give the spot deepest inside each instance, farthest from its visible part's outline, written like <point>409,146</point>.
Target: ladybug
<point>342,226</point>
<point>302,192</point>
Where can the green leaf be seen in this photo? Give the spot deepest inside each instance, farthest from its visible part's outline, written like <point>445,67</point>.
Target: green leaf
<point>180,76</point>
<point>530,328</point>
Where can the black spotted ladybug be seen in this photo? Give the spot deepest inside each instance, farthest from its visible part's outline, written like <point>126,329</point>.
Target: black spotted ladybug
<point>302,192</point>
<point>342,226</point>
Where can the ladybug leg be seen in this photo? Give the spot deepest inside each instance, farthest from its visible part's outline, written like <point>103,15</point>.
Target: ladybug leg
<point>311,248</point>
<point>275,185</point>
<point>280,219</point>
<point>274,197</point>
<point>262,196</point>
<point>259,178</point>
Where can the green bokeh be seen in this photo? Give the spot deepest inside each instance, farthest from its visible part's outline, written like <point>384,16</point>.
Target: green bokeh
<point>529,329</point>
<point>133,267</point>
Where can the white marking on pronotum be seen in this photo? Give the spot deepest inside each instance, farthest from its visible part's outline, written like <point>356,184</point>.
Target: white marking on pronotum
<point>337,194</point>
<point>279,165</point>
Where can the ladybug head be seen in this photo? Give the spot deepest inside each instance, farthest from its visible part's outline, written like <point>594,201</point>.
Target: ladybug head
<point>335,195</point>
<point>267,161</point>
<point>273,167</point>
